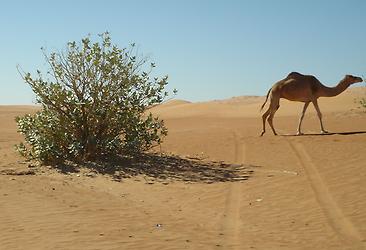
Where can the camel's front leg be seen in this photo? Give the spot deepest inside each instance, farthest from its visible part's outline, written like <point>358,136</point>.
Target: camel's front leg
<point>315,103</point>
<point>301,118</point>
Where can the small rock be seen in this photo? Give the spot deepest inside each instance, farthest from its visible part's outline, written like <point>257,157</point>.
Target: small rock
<point>101,234</point>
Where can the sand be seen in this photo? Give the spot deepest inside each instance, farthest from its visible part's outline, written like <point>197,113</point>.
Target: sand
<point>285,192</point>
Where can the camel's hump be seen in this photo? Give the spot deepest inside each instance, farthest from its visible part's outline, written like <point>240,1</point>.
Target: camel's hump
<point>294,74</point>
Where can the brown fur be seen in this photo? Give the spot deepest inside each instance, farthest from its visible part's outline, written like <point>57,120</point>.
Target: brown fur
<point>302,88</point>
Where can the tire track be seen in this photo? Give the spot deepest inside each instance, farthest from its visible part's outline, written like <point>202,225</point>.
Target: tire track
<point>231,224</point>
<point>336,219</point>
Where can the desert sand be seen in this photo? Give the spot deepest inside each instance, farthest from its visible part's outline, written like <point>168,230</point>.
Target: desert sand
<point>270,192</point>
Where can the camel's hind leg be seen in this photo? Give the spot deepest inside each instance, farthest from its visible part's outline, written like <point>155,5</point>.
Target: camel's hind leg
<point>270,118</point>
<point>273,107</point>
<point>264,118</point>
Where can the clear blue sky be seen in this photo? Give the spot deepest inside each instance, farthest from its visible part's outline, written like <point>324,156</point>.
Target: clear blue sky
<point>209,49</point>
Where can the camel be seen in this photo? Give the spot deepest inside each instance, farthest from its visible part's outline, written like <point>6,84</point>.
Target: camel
<point>302,88</point>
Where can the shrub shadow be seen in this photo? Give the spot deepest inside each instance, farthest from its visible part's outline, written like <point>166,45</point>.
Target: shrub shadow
<point>163,168</point>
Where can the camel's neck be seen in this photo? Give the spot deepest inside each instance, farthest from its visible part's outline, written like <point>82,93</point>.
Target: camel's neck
<point>334,91</point>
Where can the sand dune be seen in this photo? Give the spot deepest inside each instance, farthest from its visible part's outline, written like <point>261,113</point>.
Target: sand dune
<point>304,192</point>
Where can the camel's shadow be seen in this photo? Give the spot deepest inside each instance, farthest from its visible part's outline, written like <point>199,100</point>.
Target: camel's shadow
<point>327,134</point>
<point>162,168</point>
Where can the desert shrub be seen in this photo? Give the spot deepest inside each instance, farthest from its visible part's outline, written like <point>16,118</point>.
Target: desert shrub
<point>94,103</point>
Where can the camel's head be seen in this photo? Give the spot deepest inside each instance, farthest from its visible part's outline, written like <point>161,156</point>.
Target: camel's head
<point>353,79</point>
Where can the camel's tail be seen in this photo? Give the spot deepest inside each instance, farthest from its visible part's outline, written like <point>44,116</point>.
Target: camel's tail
<point>269,91</point>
